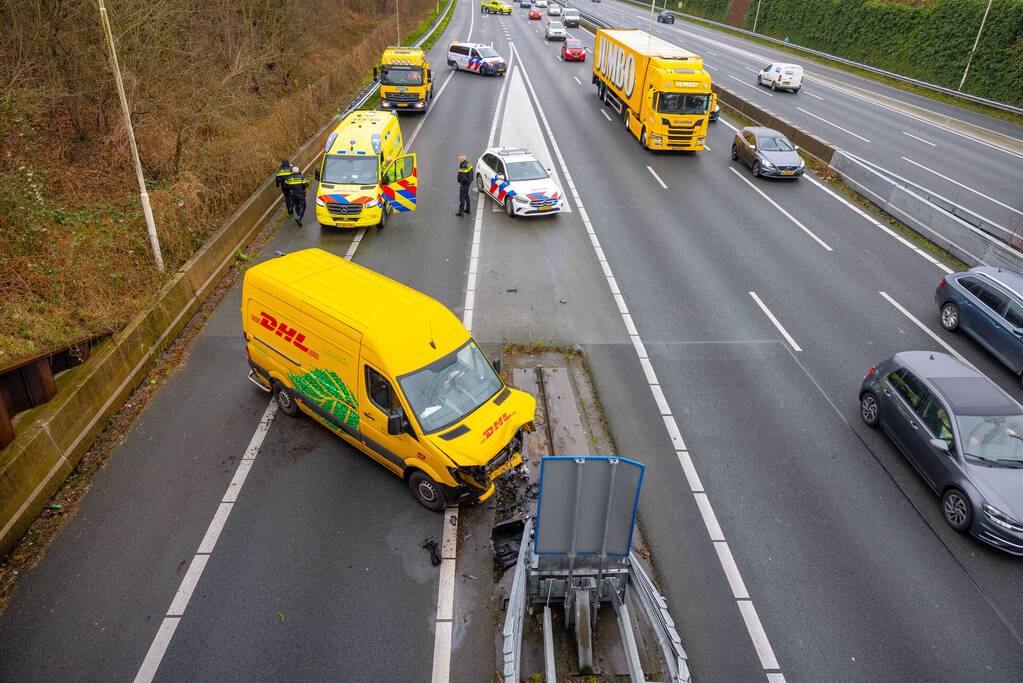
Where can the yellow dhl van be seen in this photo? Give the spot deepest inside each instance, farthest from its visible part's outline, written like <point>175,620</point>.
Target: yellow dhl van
<point>364,176</point>
<point>662,91</point>
<point>494,7</point>
<point>390,370</point>
<point>406,80</point>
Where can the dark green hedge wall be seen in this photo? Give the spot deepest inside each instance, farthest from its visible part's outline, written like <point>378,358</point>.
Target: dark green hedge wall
<point>716,10</point>
<point>930,41</point>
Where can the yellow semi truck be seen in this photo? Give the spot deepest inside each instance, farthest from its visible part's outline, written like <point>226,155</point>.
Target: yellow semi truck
<point>406,80</point>
<point>662,91</point>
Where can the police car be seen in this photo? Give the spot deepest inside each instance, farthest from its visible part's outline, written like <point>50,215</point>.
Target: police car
<point>476,57</point>
<point>517,181</point>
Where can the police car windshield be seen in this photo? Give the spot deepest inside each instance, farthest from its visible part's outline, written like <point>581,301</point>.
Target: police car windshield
<point>448,389</point>
<point>349,169</point>
<point>526,170</point>
<point>401,76</point>
<point>486,52</point>
<point>682,103</point>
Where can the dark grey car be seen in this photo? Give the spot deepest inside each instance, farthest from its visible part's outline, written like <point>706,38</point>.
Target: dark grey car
<point>961,432</point>
<point>987,304</point>
<point>767,152</point>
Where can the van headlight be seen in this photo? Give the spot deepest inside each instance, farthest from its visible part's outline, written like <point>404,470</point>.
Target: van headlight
<point>372,204</point>
<point>320,202</point>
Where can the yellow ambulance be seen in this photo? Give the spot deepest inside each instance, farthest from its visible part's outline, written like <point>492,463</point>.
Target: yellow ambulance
<point>363,176</point>
<point>388,369</point>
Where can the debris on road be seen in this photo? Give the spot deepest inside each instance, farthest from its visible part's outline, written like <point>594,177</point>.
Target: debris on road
<point>431,545</point>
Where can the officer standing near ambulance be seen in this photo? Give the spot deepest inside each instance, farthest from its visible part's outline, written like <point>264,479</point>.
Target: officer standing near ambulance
<point>464,181</point>
<point>282,174</point>
<point>296,185</point>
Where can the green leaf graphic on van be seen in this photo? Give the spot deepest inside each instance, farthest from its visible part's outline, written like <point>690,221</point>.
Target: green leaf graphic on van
<point>326,389</point>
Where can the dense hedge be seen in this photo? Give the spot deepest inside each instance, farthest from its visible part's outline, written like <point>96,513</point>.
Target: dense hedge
<point>928,40</point>
<point>716,10</point>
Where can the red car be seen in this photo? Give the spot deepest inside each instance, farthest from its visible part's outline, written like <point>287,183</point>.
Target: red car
<point>535,14</point>
<point>573,51</point>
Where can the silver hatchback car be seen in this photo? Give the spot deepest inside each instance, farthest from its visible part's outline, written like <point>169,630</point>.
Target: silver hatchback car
<point>961,432</point>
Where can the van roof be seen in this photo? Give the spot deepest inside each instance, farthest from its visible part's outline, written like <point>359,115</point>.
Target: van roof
<point>640,41</point>
<point>403,56</point>
<point>396,321</point>
<point>354,135</point>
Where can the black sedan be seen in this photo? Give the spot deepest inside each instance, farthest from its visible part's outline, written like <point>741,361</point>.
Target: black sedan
<point>767,152</point>
<point>666,17</point>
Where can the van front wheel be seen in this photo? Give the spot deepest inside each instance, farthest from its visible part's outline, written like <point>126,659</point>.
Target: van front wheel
<point>427,492</point>
<point>285,400</point>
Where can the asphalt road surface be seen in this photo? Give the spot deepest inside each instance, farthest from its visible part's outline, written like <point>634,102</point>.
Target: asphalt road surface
<point>791,541</point>
<point>982,177</point>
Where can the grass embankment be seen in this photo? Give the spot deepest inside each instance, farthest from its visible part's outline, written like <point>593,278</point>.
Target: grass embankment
<point>219,93</point>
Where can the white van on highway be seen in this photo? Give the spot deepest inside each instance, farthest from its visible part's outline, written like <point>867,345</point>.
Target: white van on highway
<point>784,76</point>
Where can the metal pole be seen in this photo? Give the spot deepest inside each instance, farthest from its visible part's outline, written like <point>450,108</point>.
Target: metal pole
<point>154,240</point>
<point>757,17</point>
<point>397,26</point>
<point>579,462</point>
<point>976,42</point>
<point>651,16</point>
<point>607,520</point>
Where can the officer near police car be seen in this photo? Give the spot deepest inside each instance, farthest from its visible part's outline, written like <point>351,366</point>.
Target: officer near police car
<point>464,181</point>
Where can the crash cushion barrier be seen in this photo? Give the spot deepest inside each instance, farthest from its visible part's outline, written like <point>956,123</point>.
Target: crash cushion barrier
<point>44,453</point>
<point>966,242</point>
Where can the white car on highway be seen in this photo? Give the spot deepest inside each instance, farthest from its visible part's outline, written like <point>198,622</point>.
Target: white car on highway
<point>517,181</point>
<point>540,3</point>
<point>784,76</point>
<point>555,31</point>
<point>554,10</point>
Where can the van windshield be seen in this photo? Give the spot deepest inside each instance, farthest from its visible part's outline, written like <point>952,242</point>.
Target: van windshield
<point>448,389</point>
<point>349,169</point>
<point>486,52</point>
<point>401,75</point>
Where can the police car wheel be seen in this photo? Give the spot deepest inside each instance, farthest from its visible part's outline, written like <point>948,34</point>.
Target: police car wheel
<point>453,64</point>
<point>427,492</point>
<point>285,401</point>
<point>479,183</point>
<point>509,207</point>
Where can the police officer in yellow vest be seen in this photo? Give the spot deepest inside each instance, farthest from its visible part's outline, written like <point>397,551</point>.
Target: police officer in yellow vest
<point>296,185</point>
<point>282,173</point>
<point>464,181</point>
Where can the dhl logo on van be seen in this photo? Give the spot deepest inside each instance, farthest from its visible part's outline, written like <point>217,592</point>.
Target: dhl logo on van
<point>489,431</point>
<point>339,198</point>
<point>617,65</point>
<point>401,195</point>
<point>281,329</point>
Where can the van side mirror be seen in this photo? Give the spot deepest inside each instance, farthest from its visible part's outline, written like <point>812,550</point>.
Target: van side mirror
<point>316,173</point>
<point>795,147</point>
<point>394,424</point>
<point>429,74</point>
<point>939,445</point>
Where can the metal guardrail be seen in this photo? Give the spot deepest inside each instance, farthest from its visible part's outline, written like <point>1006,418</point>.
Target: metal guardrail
<point>366,93</point>
<point>976,99</point>
<point>511,647</point>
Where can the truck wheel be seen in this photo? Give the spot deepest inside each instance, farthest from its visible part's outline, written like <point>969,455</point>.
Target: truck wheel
<point>642,139</point>
<point>626,119</point>
<point>285,400</point>
<point>428,493</point>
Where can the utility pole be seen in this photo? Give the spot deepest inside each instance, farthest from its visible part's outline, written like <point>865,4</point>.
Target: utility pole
<point>154,240</point>
<point>397,26</point>
<point>651,16</point>
<point>756,18</point>
<point>975,44</point>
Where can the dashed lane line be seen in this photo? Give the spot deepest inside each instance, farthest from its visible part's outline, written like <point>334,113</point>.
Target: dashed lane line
<point>752,621</point>
<point>844,130</point>
<point>782,210</point>
<point>774,320</point>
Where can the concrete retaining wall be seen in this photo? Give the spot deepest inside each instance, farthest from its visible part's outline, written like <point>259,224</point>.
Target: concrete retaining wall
<point>42,455</point>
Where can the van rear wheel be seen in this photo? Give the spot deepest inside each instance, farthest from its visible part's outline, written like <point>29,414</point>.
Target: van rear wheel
<point>428,493</point>
<point>285,400</point>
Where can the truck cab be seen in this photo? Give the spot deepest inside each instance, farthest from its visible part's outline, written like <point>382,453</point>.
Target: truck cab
<point>363,176</point>
<point>406,80</point>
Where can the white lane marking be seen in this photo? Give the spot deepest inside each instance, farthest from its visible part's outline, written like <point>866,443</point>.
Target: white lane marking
<point>926,142</point>
<point>657,177</point>
<point>749,68</point>
<point>758,88</point>
<point>783,211</point>
<point>735,581</point>
<point>445,598</point>
<point>965,187</point>
<point>712,68</point>
<point>605,114</point>
<point>713,54</point>
<point>706,147</point>
<point>722,120</point>
<point>158,648</point>
<point>817,97</point>
<point>844,130</point>
<point>755,629</point>
<point>945,345</point>
<point>577,80</point>
<point>878,224</point>
<point>776,322</point>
